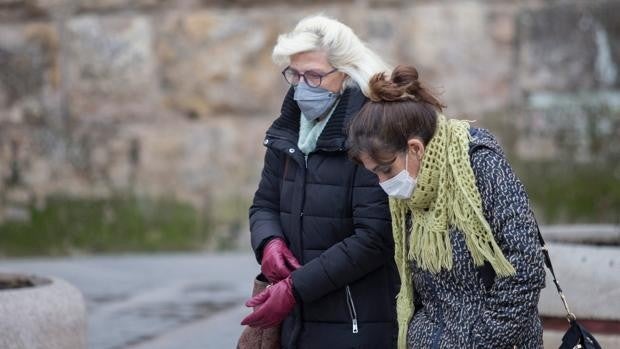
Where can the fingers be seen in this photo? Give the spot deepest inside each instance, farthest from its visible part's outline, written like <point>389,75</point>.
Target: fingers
<point>278,264</point>
<point>292,263</point>
<point>273,275</point>
<point>269,273</point>
<point>276,269</point>
<point>261,318</point>
<point>275,303</point>
<point>255,319</point>
<point>258,299</point>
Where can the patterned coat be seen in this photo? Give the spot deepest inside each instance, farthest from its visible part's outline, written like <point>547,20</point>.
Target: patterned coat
<point>467,307</point>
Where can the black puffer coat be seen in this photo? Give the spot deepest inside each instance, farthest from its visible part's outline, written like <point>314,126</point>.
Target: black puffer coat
<point>336,220</point>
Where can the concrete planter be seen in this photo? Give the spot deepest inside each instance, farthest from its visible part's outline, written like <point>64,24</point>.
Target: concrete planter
<point>40,313</point>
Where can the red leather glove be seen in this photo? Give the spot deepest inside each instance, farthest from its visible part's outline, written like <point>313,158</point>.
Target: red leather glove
<point>272,305</point>
<point>278,261</point>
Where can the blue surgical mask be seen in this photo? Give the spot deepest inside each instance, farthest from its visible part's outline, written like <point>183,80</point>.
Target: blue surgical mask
<point>314,102</point>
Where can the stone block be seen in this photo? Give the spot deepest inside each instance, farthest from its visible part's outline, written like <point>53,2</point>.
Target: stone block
<point>15,10</point>
<point>570,128</point>
<point>567,47</point>
<point>107,5</point>
<point>218,61</point>
<point>377,27</point>
<point>202,161</point>
<point>583,127</point>
<point>197,161</point>
<point>29,70</point>
<point>111,69</point>
<point>463,51</point>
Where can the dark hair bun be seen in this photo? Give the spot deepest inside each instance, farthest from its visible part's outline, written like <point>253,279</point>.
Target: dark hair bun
<point>403,85</point>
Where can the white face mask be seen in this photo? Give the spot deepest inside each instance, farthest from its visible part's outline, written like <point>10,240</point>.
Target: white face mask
<point>400,186</point>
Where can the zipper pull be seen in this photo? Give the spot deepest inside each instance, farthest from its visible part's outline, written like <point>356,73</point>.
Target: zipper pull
<point>306,157</point>
<point>352,311</point>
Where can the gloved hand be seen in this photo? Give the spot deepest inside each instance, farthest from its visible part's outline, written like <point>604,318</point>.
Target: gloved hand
<point>278,261</point>
<point>272,305</point>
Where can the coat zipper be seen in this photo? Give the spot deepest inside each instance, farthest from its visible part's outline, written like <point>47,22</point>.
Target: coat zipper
<point>299,307</point>
<point>301,213</point>
<point>352,310</point>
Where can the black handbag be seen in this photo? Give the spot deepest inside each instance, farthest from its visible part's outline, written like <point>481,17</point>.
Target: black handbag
<point>577,337</point>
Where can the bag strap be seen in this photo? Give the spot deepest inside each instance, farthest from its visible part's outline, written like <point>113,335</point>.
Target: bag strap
<point>569,315</point>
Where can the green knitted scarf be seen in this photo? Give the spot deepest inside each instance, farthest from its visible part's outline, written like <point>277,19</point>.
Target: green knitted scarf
<point>445,198</point>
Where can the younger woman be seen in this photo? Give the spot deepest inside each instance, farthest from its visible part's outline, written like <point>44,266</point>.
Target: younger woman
<point>466,241</point>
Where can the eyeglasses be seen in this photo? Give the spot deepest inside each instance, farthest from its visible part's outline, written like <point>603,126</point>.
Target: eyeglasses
<point>312,78</point>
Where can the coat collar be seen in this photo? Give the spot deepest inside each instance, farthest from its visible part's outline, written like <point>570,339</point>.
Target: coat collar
<point>333,136</point>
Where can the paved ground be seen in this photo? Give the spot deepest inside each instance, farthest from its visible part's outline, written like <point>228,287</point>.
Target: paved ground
<point>187,301</point>
<point>174,301</point>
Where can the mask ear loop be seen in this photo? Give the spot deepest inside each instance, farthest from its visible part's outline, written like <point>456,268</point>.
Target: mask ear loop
<point>406,162</point>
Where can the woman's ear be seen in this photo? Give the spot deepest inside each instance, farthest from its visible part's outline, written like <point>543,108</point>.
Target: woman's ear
<point>345,82</point>
<point>416,147</point>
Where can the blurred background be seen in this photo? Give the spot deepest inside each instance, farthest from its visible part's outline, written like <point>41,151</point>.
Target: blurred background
<point>137,126</point>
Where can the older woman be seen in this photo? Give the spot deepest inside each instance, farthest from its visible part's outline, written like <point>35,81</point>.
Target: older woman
<point>466,240</point>
<point>320,224</point>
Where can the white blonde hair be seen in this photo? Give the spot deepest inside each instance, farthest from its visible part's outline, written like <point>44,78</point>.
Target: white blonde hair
<point>345,51</point>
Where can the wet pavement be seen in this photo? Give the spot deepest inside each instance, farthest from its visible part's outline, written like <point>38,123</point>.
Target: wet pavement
<point>187,301</point>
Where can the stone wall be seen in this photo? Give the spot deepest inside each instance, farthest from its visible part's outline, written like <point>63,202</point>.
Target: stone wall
<point>162,97</point>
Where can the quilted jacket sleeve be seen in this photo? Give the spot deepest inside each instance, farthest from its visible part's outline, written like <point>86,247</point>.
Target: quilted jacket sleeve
<point>265,209</point>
